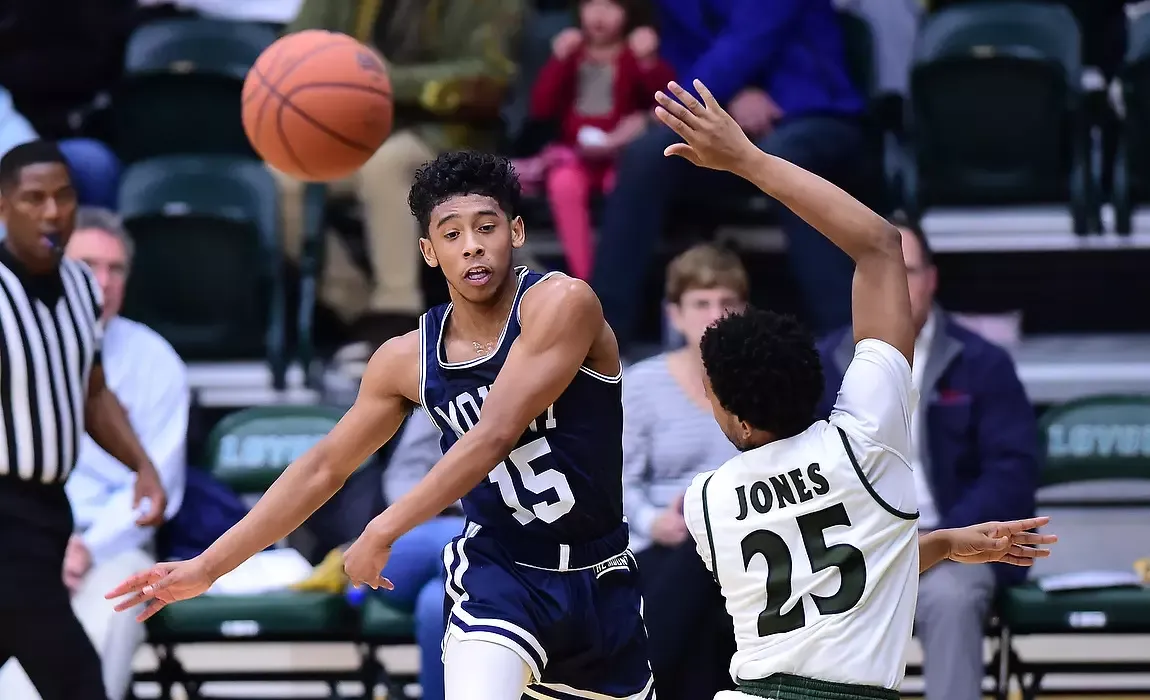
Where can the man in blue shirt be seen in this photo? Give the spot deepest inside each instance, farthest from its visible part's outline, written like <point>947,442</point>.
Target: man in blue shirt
<point>779,69</point>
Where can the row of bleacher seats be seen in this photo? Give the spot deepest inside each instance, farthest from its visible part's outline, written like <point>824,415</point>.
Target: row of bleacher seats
<point>1091,441</point>
<point>996,115</point>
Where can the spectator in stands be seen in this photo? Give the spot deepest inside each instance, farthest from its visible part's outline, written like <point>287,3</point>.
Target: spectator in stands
<point>599,87</point>
<point>975,458</point>
<point>150,380</point>
<point>449,63</point>
<point>95,168</point>
<point>778,67</point>
<point>669,436</point>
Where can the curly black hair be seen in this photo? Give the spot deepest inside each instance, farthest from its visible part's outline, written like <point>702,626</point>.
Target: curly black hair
<point>460,173</point>
<point>764,368</point>
<point>20,157</point>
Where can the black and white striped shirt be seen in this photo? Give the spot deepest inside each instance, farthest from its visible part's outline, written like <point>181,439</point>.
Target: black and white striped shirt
<point>51,341</point>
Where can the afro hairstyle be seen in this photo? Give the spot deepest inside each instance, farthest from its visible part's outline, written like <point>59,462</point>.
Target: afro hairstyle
<point>461,173</point>
<point>764,368</point>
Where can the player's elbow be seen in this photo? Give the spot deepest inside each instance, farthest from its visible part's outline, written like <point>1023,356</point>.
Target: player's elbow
<point>887,241</point>
<point>883,246</point>
<point>494,442</point>
<point>327,471</point>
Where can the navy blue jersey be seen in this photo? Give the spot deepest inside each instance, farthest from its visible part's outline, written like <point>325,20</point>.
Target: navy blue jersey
<point>563,482</point>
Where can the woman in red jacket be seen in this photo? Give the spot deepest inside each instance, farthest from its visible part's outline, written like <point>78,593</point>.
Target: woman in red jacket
<point>599,86</point>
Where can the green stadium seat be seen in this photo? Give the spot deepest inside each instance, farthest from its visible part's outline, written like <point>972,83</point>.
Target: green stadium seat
<point>1089,443</point>
<point>995,113</point>
<point>208,274</point>
<point>273,615</point>
<point>384,622</point>
<point>1131,184</point>
<point>1117,611</point>
<point>247,451</point>
<point>181,88</point>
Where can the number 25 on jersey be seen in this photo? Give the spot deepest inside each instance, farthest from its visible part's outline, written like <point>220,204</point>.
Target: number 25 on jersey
<point>780,570</point>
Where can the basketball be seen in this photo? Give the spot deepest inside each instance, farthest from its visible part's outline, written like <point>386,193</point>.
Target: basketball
<point>317,105</point>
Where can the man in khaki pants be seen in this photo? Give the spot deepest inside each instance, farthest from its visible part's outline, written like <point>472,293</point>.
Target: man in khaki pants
<point>450,63</point>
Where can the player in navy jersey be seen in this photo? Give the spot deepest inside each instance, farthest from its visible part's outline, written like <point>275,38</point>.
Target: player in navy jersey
<point>521,374</point>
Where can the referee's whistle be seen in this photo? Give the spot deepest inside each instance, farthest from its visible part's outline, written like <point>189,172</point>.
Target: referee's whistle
<point>53,239</point>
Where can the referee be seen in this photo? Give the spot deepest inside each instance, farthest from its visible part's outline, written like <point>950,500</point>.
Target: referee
<point>51,390</point>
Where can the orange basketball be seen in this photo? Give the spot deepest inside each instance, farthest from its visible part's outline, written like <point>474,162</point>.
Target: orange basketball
<point>317,105</point>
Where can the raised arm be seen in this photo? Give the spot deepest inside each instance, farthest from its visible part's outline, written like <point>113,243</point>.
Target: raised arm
<point>561,320</point>
<point>379,409</point>
<point>881,301</point>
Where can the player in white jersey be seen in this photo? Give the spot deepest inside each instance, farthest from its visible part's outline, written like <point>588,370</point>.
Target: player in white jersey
<point>811,532</point>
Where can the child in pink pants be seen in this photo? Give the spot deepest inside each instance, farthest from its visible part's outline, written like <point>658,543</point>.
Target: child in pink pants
<point>599,85</point>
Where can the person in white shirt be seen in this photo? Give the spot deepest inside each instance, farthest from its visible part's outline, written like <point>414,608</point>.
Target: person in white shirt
<point>811,532</point>
<point>151,381</point>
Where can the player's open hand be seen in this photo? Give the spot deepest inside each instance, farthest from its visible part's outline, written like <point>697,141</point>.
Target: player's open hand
<point>713,139</point>
<point>1007,542</point>
<point>160,585</point>
<point>364,560</point>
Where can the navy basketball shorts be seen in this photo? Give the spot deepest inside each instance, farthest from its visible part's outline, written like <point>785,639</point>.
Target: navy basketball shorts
<point>580,631</point>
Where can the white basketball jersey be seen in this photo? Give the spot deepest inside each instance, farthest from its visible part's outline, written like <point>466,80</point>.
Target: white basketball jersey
<point>814,539</point>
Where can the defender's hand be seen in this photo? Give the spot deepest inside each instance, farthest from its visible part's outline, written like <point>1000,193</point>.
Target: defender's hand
<point>1006,542</point>
<point>713,139</point>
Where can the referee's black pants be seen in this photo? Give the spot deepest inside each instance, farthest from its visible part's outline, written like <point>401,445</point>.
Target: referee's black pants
<point>37,625</point>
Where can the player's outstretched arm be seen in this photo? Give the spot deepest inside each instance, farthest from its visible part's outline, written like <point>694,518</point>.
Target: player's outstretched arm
<point>1010,542</point>
<point>561,319</point>
<point>881,301</point>
<point>312,479</point>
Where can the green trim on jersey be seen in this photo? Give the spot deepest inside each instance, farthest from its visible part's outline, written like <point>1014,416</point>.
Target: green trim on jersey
<point>707,525</point>
<point>867,485</point>
<point>784,686</point>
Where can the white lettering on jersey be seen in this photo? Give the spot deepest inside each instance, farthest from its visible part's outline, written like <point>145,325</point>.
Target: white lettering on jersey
<point>463,414</point>
<point>463,411</point>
